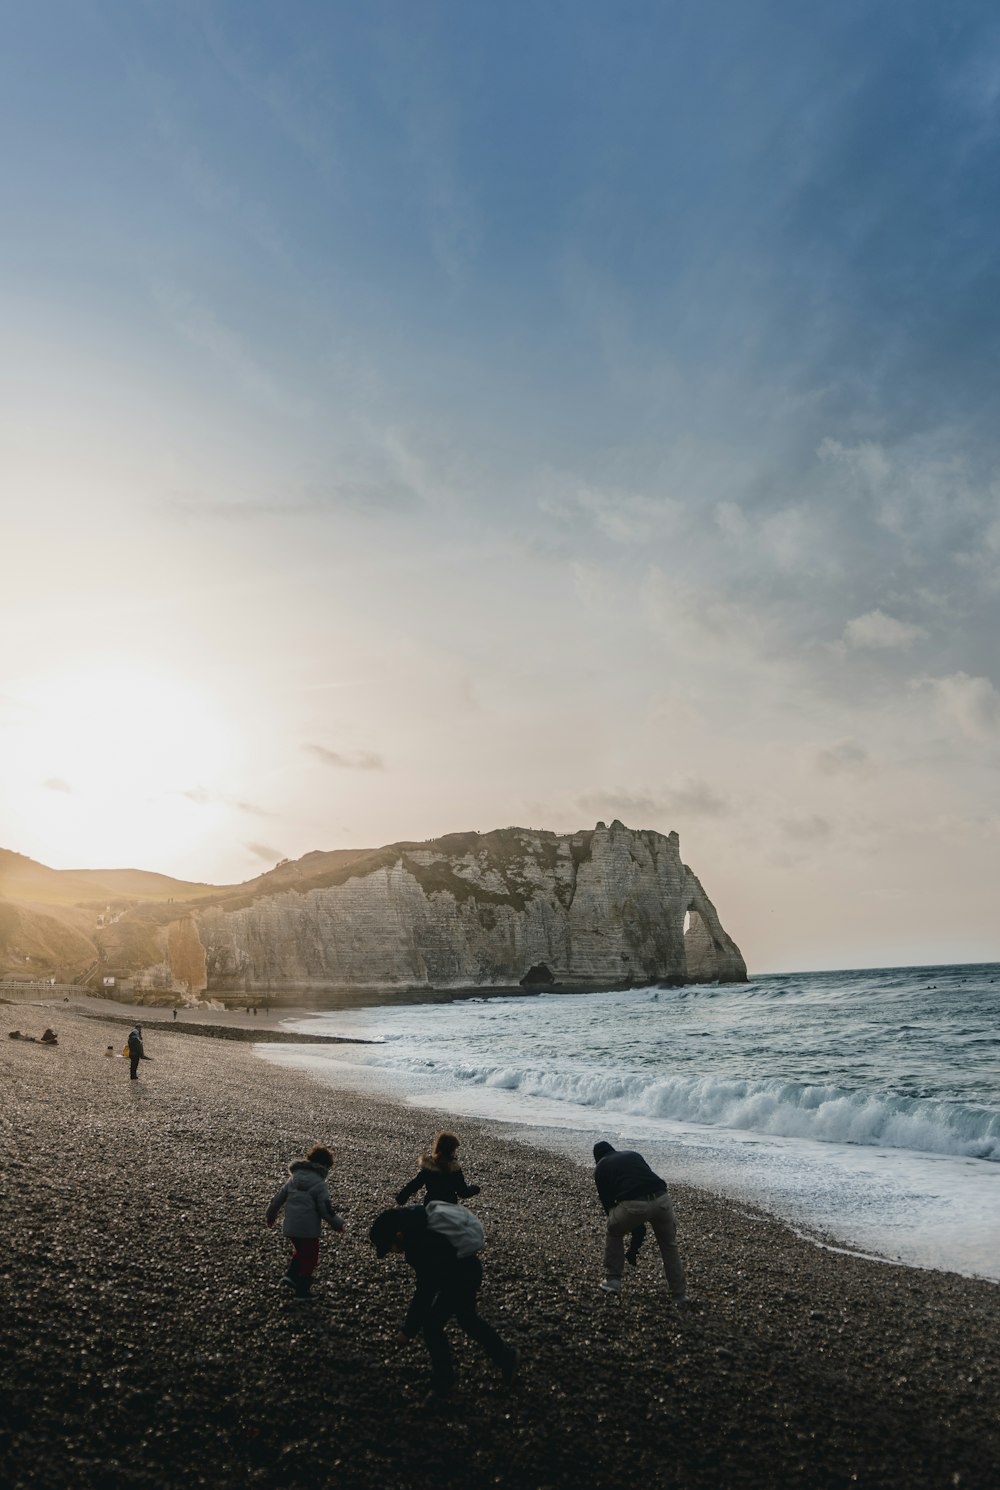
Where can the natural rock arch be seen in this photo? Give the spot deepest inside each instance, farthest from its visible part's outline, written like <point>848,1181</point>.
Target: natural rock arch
<point>710,954</point>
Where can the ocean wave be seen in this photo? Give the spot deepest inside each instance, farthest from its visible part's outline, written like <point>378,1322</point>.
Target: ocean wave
<point>783,1109</point>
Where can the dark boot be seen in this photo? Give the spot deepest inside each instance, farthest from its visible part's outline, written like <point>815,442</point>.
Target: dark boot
<point>291,1273</point>
<point>302,1287</point>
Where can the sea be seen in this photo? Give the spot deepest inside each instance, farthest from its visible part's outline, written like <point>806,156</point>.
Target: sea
<point>860,1107</point>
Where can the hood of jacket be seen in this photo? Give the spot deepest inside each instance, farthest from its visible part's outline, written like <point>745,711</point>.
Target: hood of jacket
<point>439,1166</point>
<point>305,1169</point>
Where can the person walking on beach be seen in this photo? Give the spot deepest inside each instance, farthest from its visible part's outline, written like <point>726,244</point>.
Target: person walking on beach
<point>632,1194</point>
<point>135,1050</point>
<point>440,1173</point>
<point>449,1276</point>
<point>307,1204</point>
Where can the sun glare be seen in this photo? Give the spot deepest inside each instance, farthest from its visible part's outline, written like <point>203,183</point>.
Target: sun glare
<point>109,753</point>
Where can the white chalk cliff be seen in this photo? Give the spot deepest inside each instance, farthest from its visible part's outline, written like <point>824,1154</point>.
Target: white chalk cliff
<point>593,909</point>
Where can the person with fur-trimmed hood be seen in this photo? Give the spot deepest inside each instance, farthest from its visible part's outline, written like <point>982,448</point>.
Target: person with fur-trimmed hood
<point>440,1173</point>
<point>307,1204</point>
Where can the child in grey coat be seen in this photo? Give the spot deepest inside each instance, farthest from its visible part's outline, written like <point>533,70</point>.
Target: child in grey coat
<point>307,1205</point>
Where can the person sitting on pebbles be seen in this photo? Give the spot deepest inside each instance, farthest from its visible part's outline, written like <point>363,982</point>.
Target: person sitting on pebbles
<point>307,1204</point>
<point>440,1173</point>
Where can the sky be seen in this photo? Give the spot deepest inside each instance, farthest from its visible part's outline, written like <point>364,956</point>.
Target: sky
<point>425,418</point>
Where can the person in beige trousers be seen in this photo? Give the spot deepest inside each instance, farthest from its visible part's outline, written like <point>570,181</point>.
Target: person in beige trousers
<point>632,1194</point>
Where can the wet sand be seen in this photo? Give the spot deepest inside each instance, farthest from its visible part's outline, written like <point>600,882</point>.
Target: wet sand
<point>147,1341</point>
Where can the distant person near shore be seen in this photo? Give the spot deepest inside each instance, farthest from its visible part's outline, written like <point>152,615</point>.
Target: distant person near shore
<point>632,1195</point>
<point>307,1204</point>
<point>440,1173</point>
<point>135,1051</point>
<point>441,1249</point>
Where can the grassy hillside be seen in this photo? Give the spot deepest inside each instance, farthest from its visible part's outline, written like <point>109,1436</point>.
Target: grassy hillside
<point>36,944</point>
<point>24,880</point>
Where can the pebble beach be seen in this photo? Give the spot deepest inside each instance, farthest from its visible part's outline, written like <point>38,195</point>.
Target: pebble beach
<point>147,1341</point>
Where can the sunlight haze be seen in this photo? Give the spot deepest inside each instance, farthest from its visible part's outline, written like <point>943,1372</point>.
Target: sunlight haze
<point>423,419</point>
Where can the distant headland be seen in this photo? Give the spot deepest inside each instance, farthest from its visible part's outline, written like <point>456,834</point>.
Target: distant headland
<point>515,908</point>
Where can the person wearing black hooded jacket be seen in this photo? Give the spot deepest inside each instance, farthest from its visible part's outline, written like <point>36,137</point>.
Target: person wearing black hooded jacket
<point>446,1285</point>
<point>135,1051</point>
<point>633,1195</point>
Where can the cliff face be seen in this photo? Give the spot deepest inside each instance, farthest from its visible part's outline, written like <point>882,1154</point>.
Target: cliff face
<point>514,907</point>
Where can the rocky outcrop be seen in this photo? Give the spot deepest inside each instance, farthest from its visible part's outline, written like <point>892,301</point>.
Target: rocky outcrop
<point>513,908</point>
<point>601,908</point>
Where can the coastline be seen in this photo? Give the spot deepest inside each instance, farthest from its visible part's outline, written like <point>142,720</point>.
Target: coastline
<point>148,1342</point>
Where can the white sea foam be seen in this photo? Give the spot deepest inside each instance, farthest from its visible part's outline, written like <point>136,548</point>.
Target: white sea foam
<point>785,1109</point>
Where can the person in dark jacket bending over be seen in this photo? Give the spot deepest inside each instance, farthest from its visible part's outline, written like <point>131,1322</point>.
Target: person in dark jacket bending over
<point>440,1173</point>
<point>135,1050</point>
<point>631,1193</point>
<point>446,1285</point>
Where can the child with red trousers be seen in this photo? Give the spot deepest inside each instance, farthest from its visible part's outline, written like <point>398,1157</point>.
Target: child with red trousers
<point>307,1205</point>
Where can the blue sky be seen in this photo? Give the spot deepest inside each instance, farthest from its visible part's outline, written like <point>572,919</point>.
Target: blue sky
<point>420,418</point>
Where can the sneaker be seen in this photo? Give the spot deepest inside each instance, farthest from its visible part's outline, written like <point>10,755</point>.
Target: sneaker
<point>612,1285</point>
<point>683,1305</point>
<point>287,1281</point>
<point>509,1371</point>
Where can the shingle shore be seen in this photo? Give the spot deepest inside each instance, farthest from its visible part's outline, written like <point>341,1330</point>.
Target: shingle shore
<point>146,1340</point>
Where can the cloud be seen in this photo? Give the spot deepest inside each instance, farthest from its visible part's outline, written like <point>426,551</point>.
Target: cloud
<point>264,851</point>
<point>252,809</point>
<point>369,498</point>
<point>200,325</point>
<point>806,829</point>
<point>623,517</point>
<point>241,510</point>
<point>865,465</point>
<point>56,784</point>
<point>199,795</point>
<point>842,756</point>
<point>205,798</point>
<point>361,760</point>
<point>972,705</point>
<point>692,798</point>
<point>875,631</point>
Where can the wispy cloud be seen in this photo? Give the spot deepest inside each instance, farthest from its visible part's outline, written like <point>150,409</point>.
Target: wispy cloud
<point>362,760</point>
<point>374,498</point>
<point>875,631</point>
<point>204,798</point>
<point>971,705</point>
<point>200,324</point>
<point>691,798</point>
<point>623,517</point>
<point>841,757</point>
<point>265,852</point>
<point>809,829</point>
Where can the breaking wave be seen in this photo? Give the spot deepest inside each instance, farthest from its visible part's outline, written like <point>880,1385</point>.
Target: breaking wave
<point>778,1108</point>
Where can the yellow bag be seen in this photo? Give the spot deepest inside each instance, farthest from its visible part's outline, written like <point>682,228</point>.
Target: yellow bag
<point>125,1050</point>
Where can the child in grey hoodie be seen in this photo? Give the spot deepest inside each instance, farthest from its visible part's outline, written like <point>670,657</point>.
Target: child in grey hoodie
<point>307,1205</point>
